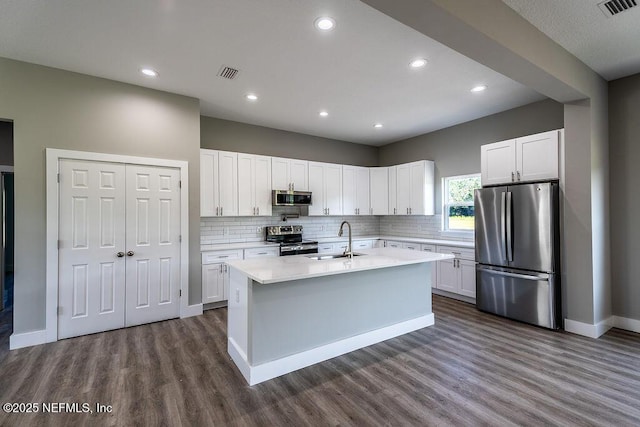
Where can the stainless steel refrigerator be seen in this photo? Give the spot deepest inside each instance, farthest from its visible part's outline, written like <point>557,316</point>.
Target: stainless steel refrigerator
<point>517,243</point>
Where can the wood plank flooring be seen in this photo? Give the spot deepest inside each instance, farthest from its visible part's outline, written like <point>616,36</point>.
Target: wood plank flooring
<point>470,369</point>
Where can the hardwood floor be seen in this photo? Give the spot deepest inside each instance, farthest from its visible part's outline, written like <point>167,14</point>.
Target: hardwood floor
<point>470,368</point>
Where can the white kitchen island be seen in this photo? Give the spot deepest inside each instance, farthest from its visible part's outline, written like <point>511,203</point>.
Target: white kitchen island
<point>290,312</point>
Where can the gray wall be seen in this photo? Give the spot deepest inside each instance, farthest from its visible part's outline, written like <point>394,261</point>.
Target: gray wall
<point>226,135</point>
<point>624,150</point>
<point>6,143</point>
<point>456,150</point>
<point>58,109</point>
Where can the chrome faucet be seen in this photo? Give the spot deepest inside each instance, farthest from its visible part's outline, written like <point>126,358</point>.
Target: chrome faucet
<point>348,251</point>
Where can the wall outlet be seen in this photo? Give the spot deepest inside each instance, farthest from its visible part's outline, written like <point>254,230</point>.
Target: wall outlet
<point>225,231</point>
<point>322,228</point>
<point>259,230</point>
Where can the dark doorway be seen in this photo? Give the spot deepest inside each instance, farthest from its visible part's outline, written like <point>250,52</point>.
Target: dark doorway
<point>6,234</point>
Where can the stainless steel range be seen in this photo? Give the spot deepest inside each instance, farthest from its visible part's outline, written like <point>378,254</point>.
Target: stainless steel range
<point>290,239</point>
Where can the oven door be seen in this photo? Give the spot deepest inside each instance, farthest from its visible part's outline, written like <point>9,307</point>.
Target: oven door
<point>298,249</point>
<point>291,198</point>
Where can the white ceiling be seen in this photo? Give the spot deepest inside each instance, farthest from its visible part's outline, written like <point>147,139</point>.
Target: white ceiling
<point>359,72</point>
<point>608,45</point>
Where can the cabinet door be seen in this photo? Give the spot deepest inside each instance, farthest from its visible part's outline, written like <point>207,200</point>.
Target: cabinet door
<point>379,190</point>
<point>280,173</point>
<point>262,185</point>
<point>403,186</point>
<point>393,244</point>
<point>333,188</point>
<point>299,174</point>
<point>433,265</point>
<point>393,190</point>
<point>537,157</point>
<point>316,186</point>
<point>212,283</point>
<point>363,244</point>
<point>411,246</point>
<point>362,191</point>
<point>226,280</point>
<point>447,275</point>
<point>246,185</point>
<point>208,182</point>
<point>498,162</point>
<point>228,183</point>
<point>467,270</point>
<point>349,193</point>
<point>417,196</point>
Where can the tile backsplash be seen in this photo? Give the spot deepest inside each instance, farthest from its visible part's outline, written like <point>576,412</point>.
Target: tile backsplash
<point>217,230</point>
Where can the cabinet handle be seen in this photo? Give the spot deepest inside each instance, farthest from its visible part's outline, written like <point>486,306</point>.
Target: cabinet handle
<point>120,254</point>
<point>512,177</point>
<point>258,209</point>
<point>217,209</point>
<point>254,210</point>
<point>220,210</point>
<point>394,211</point>
<point>410,211</point>
<point>518,175</point>
<point>293,186</point>
<point>130,253</point>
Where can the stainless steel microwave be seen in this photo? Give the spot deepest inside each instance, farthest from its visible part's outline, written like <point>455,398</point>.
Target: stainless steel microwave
<point>290,198</point>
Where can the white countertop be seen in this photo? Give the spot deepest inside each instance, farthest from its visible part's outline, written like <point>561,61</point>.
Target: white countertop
<point>283,269</point>
<point>239,245</point>
<point>262,244</point>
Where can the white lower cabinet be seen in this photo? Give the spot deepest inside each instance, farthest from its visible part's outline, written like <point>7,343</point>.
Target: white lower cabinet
<point>215,274</point>
<point>339,247</point>
<point>457,275</point>
<point>434,268</point>
<point>392,244</point>
<point>411,246</point>
<point>261,252</point>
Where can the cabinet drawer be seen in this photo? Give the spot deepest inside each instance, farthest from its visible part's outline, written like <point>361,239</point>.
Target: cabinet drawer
<point>363,244</point>
<point>261,252</point>
<point>393,244</point>
<point>325,248</point>
<point>411,246</point>
<point>461,253</point>
<point>428,248</point>
<point>220,256</point>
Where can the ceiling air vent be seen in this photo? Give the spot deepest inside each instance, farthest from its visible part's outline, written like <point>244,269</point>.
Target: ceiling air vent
<point>228,72</point>
<point>614,7</point>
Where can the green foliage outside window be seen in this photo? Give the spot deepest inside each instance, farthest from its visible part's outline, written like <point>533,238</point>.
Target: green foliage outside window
<point>458,200</point>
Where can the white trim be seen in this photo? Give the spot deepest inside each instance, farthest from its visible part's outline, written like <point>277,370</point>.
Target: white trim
<point>53,157</point>
<point>6,168</point>
<point>275,368</point>
<point>27,339</point>
<point>587,329</point>
<point>191,310</point>
<point>625,323</point>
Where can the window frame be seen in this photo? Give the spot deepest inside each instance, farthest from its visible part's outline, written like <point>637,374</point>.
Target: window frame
<point>446,205</point>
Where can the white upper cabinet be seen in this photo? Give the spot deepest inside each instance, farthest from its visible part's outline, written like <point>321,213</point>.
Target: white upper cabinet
<point>414,188</point>
<point>254,185</point>
<point>393,190</point>
<point>355,190</point>
<point>218,183</point>
<point>530,158</point>
<point>289,174</point>
<point>379,190</point>
<point>537,157</point>
<point>325,184</point>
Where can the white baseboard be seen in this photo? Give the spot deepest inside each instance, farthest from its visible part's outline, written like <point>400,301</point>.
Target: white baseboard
<point>27,339</point>
<point>625,323</point>
<point>266,371</point>
<point>587,329</point>
<point>191,310</point>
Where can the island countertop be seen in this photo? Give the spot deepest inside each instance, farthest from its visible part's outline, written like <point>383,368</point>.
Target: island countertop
<point>283,269</point>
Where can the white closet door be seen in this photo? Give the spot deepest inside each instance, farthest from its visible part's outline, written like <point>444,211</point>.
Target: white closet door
<point>153,244</point>
<point>91,233</point>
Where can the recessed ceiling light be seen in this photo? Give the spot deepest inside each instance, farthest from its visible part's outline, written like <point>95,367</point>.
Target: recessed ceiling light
<point>479,88</point>
<point>252,97</point>
<point>324,23</point>
<point>377,125</point>
<point>323,113</point>
<point>149,72</point>
<point>418,63</point>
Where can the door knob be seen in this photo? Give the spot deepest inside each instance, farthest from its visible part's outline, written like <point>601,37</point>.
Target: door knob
<point>120,254</point>
<point>130,253</point>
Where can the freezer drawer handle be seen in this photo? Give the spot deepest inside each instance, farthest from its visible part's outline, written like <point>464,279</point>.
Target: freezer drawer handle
<point>543,278</point>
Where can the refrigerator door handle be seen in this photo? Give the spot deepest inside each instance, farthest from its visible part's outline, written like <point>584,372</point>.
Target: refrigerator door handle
<point>539,278</point>
<point>509,226</point>
<point>503,225</point>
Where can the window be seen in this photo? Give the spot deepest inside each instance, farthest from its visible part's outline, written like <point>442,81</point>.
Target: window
<point>457,202</point>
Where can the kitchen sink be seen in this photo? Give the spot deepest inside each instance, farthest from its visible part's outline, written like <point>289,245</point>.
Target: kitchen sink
<point>330,256</point>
